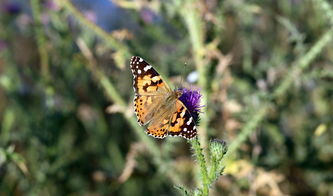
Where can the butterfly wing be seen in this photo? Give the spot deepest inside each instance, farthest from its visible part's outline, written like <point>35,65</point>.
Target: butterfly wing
<point>174,122</point>
<point>145,107</point>
<point>149,88</point>
<point>146,80</point>
<point>158,127</point>
<point>181,122</point>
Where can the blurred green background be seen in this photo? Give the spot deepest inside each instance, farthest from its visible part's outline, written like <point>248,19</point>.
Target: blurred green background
<point>67,125</point>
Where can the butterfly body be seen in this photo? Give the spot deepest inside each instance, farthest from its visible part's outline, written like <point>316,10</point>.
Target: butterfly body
<point>157,106</point>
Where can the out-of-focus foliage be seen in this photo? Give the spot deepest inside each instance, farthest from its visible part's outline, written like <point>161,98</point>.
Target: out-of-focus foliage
<point>67,125</point>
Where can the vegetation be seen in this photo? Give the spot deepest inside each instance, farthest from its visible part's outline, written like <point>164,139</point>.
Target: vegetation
<point>264,68</point>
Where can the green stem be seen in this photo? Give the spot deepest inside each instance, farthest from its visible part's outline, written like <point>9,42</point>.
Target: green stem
<point>109,40</point>
<point>303,63</point>
<point>326,9</point>
<point>248,128</point>
<point>212,171</point>
<point>40,38</point>
<point>202,164</point>
<point>196,28</point>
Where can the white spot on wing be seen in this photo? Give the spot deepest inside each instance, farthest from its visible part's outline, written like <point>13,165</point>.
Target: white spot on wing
<point>189,121</point>
<point>140,59</point>
<point>139,71</point>
<point>147,68</point>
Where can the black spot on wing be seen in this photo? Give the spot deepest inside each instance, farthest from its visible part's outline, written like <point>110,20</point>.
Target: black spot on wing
<point>156,83</point>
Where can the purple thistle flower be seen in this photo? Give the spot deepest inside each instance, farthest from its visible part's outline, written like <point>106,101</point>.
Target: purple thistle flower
<point>191,99</point>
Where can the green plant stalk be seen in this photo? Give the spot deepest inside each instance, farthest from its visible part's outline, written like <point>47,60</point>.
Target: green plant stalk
<point>215,171</point>
<point>202,164</point>
<point>218,172</point>
<point>325,9</point>
<point>213,168</point>
<point>40,38</point>
<point>248,128</point>
<point>8,121</point>
<point>303,63</point>
<point>196,28</point>
<point>109,40</point>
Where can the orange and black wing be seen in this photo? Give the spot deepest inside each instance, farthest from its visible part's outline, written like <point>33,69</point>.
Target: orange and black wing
<point>149,88</point>
<point>182,123</point>
<point>146,80</point>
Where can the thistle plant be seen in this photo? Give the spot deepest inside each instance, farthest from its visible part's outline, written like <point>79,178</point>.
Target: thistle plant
<point>209,170</point>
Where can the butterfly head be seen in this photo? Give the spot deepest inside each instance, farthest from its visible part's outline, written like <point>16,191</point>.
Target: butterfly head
<point>178,93</point>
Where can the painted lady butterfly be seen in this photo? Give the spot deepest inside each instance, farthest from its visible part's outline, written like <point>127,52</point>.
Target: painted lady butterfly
<point>157,106</point>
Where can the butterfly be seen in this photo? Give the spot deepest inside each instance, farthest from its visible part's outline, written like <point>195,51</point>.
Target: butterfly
<point>157,107</point>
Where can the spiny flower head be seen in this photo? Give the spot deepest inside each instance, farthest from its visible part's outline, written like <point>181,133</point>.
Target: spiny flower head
<point>218,148</point>
<point>191,99</point>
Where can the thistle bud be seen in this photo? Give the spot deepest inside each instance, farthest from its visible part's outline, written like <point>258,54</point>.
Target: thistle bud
<point>217,149</point>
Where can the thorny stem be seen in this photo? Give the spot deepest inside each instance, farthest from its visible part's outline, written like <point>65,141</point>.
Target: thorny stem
<point>202,164</point>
